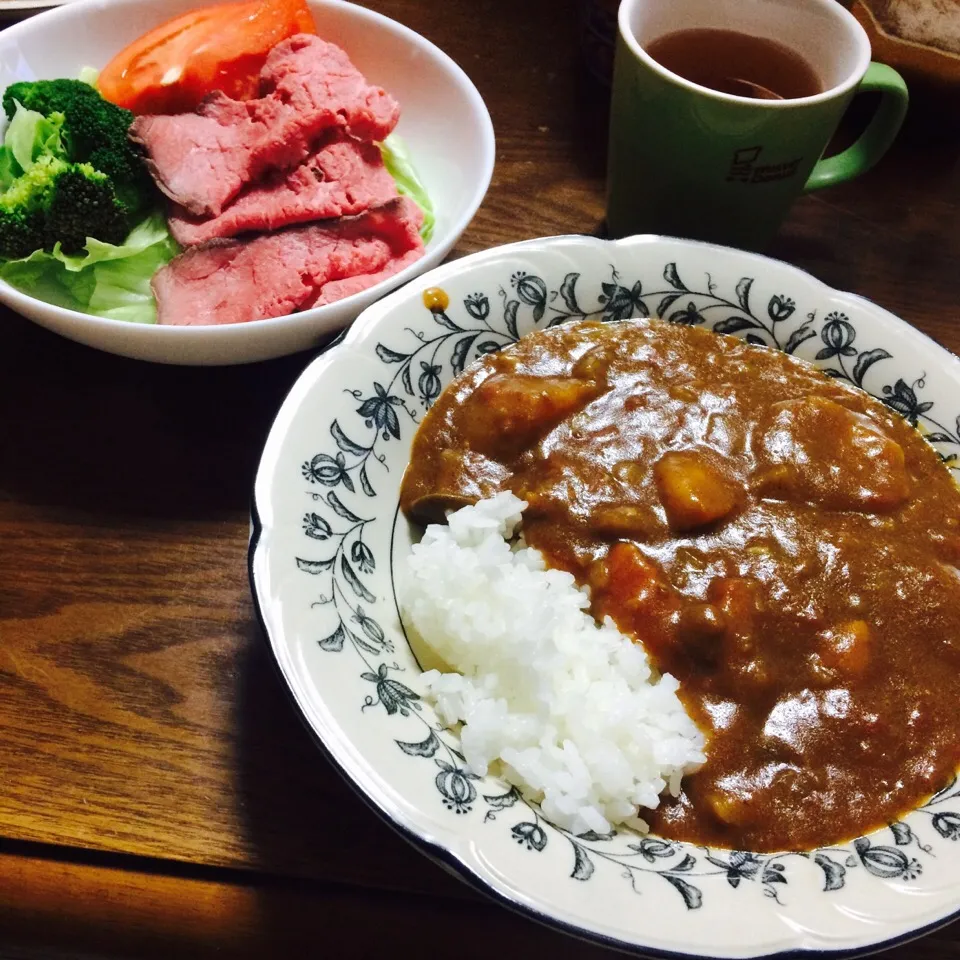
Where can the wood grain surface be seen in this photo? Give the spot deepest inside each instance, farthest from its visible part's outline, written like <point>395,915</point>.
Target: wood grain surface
<point>158,796</point>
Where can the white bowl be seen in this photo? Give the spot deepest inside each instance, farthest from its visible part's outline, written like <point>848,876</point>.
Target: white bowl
<point>329,481</point>
<point>444,122</point>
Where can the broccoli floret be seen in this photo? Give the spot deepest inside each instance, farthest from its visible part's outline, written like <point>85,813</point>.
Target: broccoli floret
<point>21,232</point>
<point>60,202</point>
<point>84,204</point>
<point>22,209</point>
<point>95,132</point>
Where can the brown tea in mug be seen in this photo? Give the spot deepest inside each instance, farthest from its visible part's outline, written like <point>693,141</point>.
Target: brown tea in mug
<point>736,63</point>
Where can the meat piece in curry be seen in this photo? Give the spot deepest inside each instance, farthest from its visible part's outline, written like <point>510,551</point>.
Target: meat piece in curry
<point>782,543</point>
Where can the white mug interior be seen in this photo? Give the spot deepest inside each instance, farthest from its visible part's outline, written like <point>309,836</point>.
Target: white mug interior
<point>824,33</point>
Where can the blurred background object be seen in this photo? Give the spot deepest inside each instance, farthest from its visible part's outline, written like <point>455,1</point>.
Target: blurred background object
<point>921,38</point>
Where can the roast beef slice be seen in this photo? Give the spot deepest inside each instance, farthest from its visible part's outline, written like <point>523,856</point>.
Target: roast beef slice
<point>342,178</point>
<point>274,274</point>
<point>202,160</point>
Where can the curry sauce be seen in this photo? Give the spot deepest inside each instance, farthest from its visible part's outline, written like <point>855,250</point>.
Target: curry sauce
<point>782,543</point>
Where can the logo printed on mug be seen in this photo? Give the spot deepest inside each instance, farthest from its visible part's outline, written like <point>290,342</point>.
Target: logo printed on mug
<point>742,168</point>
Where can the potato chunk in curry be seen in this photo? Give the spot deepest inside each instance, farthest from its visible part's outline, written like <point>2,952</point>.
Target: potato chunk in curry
<point>694,491</point>
<point>782,543</point>
<point>814,449</point>
<point>511,410</point>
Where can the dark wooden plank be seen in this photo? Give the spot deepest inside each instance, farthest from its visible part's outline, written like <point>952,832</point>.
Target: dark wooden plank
<point>122,914</point>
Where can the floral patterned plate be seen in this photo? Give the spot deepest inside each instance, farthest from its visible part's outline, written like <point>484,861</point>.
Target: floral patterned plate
<point>327,539</point>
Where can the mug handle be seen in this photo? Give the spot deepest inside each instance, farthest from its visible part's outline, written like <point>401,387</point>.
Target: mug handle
<point>876,139</point>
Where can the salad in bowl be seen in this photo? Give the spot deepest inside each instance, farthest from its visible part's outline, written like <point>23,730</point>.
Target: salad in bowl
<point>264,164</point>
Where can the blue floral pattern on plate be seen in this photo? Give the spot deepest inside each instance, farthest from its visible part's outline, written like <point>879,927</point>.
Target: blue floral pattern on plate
<point>350,478</point>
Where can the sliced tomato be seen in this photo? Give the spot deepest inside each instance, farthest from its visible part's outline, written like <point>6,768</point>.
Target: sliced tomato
<point>174,66</point>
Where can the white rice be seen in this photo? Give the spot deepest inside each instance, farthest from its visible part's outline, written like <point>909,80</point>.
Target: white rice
<point>566,709</point>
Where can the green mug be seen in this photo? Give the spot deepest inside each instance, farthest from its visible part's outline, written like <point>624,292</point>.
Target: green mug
<point>689,161</point>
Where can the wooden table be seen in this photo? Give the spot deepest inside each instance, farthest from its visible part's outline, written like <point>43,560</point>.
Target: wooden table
<point>158,796</point>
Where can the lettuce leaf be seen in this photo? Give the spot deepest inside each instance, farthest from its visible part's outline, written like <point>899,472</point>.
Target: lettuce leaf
<point>28,137</point>
<point>396,158</point>
<point>31,135</point>
<point>89,75</point>
<point>9,169</point>
<point>105,280</point>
